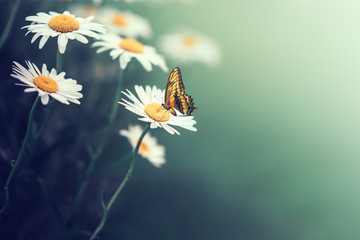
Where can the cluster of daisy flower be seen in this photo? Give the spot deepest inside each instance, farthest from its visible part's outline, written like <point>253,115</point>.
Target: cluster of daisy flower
<point>117,32</point>
<point>121,33</point>
<point>121,40</point>
<point>182,46</point>
<point>52,83</point>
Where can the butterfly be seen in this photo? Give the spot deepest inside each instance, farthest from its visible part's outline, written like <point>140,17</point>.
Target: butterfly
<point>175,96</point>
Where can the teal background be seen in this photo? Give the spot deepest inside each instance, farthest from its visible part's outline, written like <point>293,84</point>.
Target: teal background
<point>277,146</point>
<point>276,154</point>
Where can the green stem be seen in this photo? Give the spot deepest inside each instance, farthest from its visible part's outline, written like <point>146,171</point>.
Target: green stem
<point>52,101</point>
<point>58,61</point>
<point>122,185</point>
<point>115,169</point>
<point>52,201</point>
<point>9,24</point>
<point>51,105</point>
<point>95,156</point>
<point>18,160</point>
<point>46,120</point>
<point>112,117</point>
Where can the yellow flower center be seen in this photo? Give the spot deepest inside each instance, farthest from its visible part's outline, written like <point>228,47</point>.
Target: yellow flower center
<point>64,23</point>
<point>119,20</point>
<point>132,45</point>
<point>189,41</point>
<point>143,148</point>
<point>46,84</point>
<point>157,112</point>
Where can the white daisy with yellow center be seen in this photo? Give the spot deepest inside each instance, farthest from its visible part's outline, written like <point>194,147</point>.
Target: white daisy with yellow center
<point>124,23</point>
<point>161,1</point>
<point>127,48</point>
<point>82,10</point>
<point>188,47</point>
<point>64,26</point>
<point>149,148</point>
<point>149,107</point>
<point>47,83</point>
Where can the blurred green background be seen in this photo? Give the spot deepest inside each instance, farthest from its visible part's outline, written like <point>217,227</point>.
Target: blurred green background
<point>277,148</point>
<point>276,154</point>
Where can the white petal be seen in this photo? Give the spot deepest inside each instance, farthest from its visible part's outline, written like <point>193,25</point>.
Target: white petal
<point>144,62</point>
<point>22,84</point>
<point>38,72</point>
<point>134,105</point>
<point>81,38</point>
<point>124,60</point>
<point>74,101</point>
<point>146,119</point>
<point>30,90</point>
<point>45,99</point>
<point>135,99</point>
<point>43,41</point>
<point>168,129</point>
<point>87,33</point>
<point>44,70</point>
<point>153,125</point>
<point>116,52</point>
<point>134,110</point>
<point>52,73</point>
<point>70,35</point>
<point>62,42</point>
<point>35,37</point>
<point>60,98</point>
<point>102,49</point>
<point>142,94</point>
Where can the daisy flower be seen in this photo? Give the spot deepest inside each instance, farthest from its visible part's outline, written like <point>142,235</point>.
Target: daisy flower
<point>127,48</point>
<point>149,148</point>
<point>97,2</point>
<point>149,107</point>
<point>189,47</point>
<point>83,11</point>
<point>161,1</point>
<point>47,83</point>
<point>63,26</point>
<point>124,23</point>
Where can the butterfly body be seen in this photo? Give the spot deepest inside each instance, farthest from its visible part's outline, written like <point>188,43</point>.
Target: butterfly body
<point>175,96</point>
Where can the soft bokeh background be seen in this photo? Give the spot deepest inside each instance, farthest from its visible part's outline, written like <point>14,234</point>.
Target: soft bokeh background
<point>276,155</point>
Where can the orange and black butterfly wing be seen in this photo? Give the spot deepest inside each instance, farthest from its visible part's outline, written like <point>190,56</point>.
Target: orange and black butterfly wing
<point>173,84</point>
<point>190,105</point>
<point>175,96</point>
<point>184,103</point>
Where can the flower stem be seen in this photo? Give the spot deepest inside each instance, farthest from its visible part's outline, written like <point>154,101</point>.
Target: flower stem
<point>58,61</point>
<point>9,24</point>
<point>115,169</point>
<point>49,112</point>
<point>52,101</point>
<point>52,201</point>
<point>95,156</point>
<point>18,160</point>
<point>121,186</point>
<point>51,105</point>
